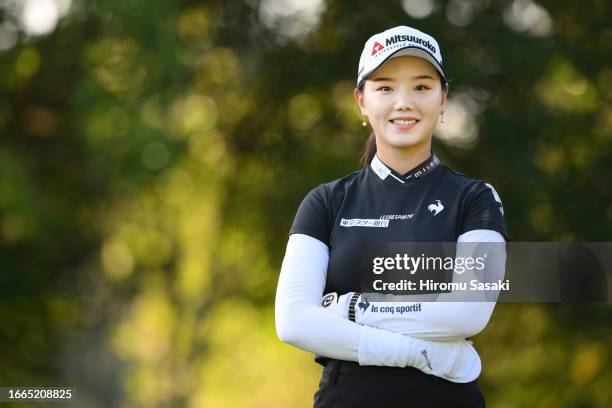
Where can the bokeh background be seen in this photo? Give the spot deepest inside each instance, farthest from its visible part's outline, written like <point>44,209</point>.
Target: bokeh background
<point>153,155</point>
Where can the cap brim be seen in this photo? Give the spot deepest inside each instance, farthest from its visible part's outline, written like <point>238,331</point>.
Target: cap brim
<point>410,52</point>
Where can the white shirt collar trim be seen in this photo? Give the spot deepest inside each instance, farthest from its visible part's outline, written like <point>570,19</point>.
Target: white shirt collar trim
<point>382,170</point>
<point>379,168</point>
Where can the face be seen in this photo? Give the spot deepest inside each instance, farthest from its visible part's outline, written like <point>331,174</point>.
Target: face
<point>402,101</point>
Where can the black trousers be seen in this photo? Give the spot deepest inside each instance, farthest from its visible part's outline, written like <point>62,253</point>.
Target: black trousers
<point>347,384</point>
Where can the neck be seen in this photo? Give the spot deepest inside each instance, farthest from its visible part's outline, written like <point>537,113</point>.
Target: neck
<point>403,160</point>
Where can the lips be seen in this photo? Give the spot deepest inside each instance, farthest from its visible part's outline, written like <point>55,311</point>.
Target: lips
<point>404,122</point>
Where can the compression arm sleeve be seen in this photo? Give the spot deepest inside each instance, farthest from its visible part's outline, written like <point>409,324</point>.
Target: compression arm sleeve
<point>444,318</point>
<point>300,321</point>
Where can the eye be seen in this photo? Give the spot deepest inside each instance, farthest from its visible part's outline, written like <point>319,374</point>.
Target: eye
<point>421,87</point>
<point>384,88</point>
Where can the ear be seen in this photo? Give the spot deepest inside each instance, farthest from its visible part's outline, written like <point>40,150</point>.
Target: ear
<point>444,96</point>
<point>359,99</point>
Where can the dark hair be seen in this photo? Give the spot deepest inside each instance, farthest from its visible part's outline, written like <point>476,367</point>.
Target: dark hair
<point>369,150</point>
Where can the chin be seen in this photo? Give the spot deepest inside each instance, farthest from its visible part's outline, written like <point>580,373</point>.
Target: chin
<point>406,141</point>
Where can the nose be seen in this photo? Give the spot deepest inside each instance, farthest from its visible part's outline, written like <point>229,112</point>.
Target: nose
<point>404,99</point>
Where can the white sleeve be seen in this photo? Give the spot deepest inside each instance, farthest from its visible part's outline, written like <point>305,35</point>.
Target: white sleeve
<point>444,318</point>
<point>465,319</point>
<point>481,235</point>
<point>301,321</point>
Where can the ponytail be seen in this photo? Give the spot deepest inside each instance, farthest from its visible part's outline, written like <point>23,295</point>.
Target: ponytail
<point>369,150</point>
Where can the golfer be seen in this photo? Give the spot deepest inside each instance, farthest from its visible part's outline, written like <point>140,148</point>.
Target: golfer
<point>403,193</point>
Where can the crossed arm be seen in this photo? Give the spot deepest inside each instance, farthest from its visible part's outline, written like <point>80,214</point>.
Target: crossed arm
<point>300,321</point>
<point>449,316</point>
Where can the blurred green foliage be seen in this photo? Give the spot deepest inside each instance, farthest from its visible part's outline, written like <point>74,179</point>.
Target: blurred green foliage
<point>153,154</point>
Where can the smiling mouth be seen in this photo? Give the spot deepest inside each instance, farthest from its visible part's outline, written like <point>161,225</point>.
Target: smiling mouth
<point>403,121</point>
<point>404,124</point>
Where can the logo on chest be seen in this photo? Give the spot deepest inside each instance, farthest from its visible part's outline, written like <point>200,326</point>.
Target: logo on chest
<point>435,208</point>
<point>396,216</point>
<point>364,222</point>
<point>382,222</point>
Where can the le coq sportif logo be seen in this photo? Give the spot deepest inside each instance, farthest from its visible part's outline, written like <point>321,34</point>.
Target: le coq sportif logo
<point>435,208</point>
<point>363,305</point>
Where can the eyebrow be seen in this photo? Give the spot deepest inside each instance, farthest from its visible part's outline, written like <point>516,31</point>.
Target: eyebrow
<point>380,79</point>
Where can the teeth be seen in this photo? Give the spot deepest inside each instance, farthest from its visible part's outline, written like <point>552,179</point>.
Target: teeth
<point>404,122</point>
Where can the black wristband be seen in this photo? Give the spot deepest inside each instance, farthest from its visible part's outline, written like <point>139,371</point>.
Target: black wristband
<point>352,303</point>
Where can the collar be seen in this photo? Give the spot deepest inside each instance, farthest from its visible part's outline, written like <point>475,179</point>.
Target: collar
<point>384,172</point>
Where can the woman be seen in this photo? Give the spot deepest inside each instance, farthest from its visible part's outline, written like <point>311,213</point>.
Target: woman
<point>403,194</point>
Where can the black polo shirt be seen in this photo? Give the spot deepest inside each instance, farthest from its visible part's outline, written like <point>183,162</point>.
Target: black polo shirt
<point>430,203</point>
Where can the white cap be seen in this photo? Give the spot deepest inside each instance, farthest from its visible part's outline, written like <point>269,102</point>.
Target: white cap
<point>396,42</point>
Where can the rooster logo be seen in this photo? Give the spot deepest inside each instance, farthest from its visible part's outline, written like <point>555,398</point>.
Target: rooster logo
<point>364,304</point>
<point>435,208</point>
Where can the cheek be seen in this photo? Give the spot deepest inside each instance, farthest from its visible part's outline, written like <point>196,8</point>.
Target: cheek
<point>431,104</point>
<point>377,109</point>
